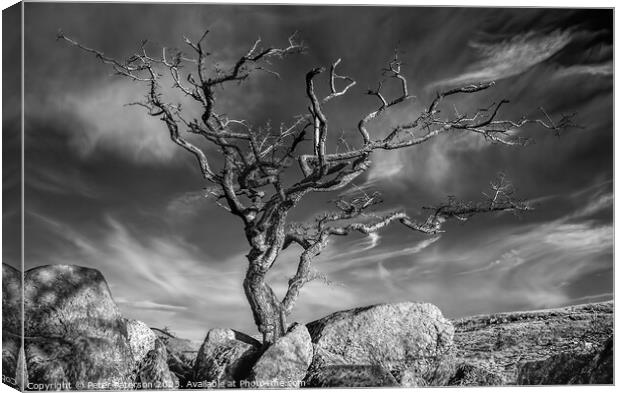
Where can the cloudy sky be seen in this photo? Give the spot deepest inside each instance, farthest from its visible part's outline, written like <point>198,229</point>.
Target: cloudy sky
<point>105,187</point>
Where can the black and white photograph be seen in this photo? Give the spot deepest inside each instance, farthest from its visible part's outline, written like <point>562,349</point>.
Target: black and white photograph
<point>287,196</point>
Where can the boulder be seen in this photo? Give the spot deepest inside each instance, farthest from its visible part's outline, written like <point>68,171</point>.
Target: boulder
<point>141,339</point>
<point>224,360</point>
<point>153,371</point>
<point>285,363</point>
<point>11,324</point>
<point>405,337</point>
<point>76,337</point>
<point>150,358</point>
<point>350,377</point>
<point>181,355</point>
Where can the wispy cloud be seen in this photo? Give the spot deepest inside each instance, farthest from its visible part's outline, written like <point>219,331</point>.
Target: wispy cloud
<point>582,237</point>
<point>107,123</point>
<point>510,57</point>
<point>573,235</point>
<point>523,266</point>
<point>528,275</point>
<point>160,280</point>
<point>387,165</point>
<point>599,202</point>
<point>373,241</point>
<point>65,182</point>
<point>593,298</point>
<point>148,305</point>
<point>317,298</point>
<point>595,189</point>
<point>338,260</point>
<point>603,69</point>
<point>97,117</point>
<point>187,204</point>
<point>507,260</point>
<point>431,166</point>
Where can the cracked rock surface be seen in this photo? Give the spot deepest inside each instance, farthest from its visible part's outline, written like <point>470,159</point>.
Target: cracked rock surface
<point>412,341</point>
<point>519,346</point>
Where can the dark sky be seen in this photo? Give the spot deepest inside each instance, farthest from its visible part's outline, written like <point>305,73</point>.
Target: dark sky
<point>106,188</point>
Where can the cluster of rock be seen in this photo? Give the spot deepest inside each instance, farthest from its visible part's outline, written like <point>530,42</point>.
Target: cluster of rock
<point>228,358</point>
<point>181,355</point>
<point>75,338</point>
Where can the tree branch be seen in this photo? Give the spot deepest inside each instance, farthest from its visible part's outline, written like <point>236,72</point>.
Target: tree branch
<point>251,162</point>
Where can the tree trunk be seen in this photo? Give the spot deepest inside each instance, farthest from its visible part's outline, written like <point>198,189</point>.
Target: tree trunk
<point>266,308</point>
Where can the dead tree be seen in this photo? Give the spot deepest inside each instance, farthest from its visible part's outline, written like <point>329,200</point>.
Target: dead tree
<point>245,166</point>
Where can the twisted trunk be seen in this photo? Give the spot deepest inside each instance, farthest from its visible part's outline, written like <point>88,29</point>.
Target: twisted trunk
<point>266,244</point>
<point>266,308</point>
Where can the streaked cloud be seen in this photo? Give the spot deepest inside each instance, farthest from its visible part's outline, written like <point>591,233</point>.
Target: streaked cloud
<point>510,57</point>
<point>67,181</point>
<point>522,266</point>
<point>335,259</point>
<point>513,271</point>
<point>431,165</point>
<point>148,305</point>
<point>508,260</point>
<point>387,165</point>
<point>104,121</point>
<point>373,241</point>
<point>581,237</point>
<point>603,69</point>
<point>163,274</point>
<point>187,204</point>
<point>599,202</point>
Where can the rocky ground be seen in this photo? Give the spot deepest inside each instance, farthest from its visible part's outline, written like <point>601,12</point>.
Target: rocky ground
<point>75,337</point>
<point>512,345</point>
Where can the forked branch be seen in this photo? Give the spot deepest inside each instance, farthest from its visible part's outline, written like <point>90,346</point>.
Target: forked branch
<point>313,238</point>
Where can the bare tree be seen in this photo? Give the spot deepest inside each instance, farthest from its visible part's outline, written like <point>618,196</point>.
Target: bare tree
<point>251,162</point>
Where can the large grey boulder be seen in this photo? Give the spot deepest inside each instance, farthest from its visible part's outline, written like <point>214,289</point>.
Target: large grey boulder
<point>224,359</point>
<point>412,339</point>
<point>11,324</point>
<point>75,335</point>
<point>285,363</point>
